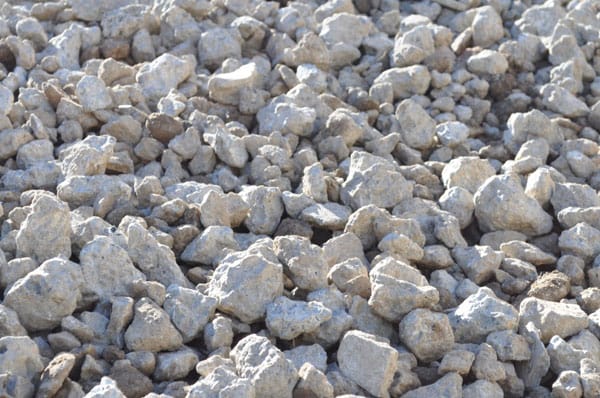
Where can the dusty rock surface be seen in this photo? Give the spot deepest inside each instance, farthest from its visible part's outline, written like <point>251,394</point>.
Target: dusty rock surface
<point>299,198</point>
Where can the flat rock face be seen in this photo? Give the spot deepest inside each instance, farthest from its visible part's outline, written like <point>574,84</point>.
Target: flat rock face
<point>299,199</point>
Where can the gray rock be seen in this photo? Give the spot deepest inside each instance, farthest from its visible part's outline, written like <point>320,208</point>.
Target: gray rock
<point>226,87</point>
<point>210,246</point>
<point>106,389</point>
<point>426,334</point>
<point>458,202</point>
<point>303,262</point>
<point>487,62</point>
<point>265,366</point>
<point>398,288</point>
<point>416,126</point>
<point>222,382</point>
<point>479,315</point>
<point>458,361</point>
<point>88,157</point>
<point>533,370</point>
<point>164,73</point>
<point>130,380</point>
<point>217,44</point>
<point>573,195</point>
<point>567,385</point>
<point>174,365</point>
<point>331,216</point>
<point>482,388</point>
<point>46,232</point>
<point>47,294</point>
<point>156,260</point>
<point>358,348</point>
<point>552,318</point>
<point>467,172</point>
<point>313,354</point>
<point>351,276</point>
<point>501,204</point>
<point>448,386</point>
<point>478,262</point>
<point>92,94</point>
<point>189,310</point>
<point>266,208</point>
<point>406,81</point>
<point>107,269</point>
<point>151,330</point>
<point>288,319</point>
<point>20,356</point>
<point>245,284</point>
<point>313,382</point>
<point>55,373</point>
<point>561,101</point>
<point>9,323</point>
<point>487,26</point>
<point>373,180</point>
<point>509,346</point>
<point>487,366</point>
<point>563,356</point>
<point>581,241</point>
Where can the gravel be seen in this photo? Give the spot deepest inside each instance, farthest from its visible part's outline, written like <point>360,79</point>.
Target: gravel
<point>316,198</point>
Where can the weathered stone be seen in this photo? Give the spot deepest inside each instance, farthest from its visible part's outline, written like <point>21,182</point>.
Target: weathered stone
<point>358,348</point>
<point>151,329</point>
<point>47,294</point>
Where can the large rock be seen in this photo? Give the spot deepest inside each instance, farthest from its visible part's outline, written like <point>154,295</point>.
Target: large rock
<point>288,319</point>
<point>225,87</point>
<point>156,261</point>
<point>407,81</point>
<point>368,360</point>
<point>46,232</point>
<point>166,72</point>
<point>481,314</point>
<point>107,268</point>
<point>551,318</point>
<point>245,284</point>
<point>189,310</point>
<point>151,329</point>
<point>89,156</point>
<point>449,386</point>
<point>266,208</point>
<point>303,261</point>
<point>427,334</point>
<point>501,204</point>
<point>373,181</point>
<point>21,357</point>
<point>417,127</point>
<point>47,294</point>
<point>258,360</point>
<point>467,172</point>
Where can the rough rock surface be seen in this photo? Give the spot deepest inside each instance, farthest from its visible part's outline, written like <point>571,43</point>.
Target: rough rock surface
<point>300,198</point>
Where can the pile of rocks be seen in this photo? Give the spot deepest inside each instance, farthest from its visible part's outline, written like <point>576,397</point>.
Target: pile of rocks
<point>250,199</point>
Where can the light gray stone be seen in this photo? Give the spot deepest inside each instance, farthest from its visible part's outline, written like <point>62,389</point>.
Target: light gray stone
<point>288,319</point>
<point>480,314</point>
<point>358,348</point>
<point>265,366</point>
<point>47,294</point>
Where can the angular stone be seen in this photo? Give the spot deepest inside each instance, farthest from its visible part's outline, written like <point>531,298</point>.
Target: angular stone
<point>47,294</point>
<point>501,204</point>
<point>245,284</point>
<point>189,310</point>
<point>265,366</point>
<point>46,232</point>
<point>479,315</point>
<point>358,348</point>
<point>151,330</point>
<point>426,334</point>
<point>552,318</point>
<point>288,319</point>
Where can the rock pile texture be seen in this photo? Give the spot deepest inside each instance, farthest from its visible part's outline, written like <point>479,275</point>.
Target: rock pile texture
<point>304,199</point>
